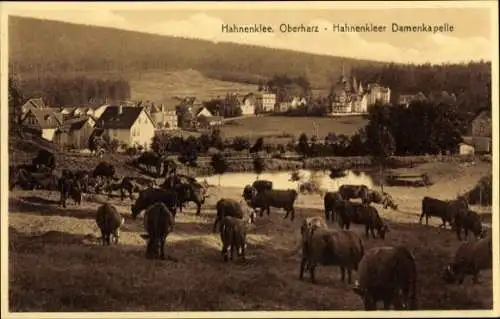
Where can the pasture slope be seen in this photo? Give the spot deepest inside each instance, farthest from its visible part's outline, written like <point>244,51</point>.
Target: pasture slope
<point>283,127</point>
<point>164,86</point>
<point>57,265</point>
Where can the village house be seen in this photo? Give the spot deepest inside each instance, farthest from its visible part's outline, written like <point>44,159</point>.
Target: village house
<point>248,104</point>
<point>206,119</point>
<point>480,131</point>
<point>131,126</point>
<point>75,132</point>
<point>94,111</point>
<point>34,103</point>
<point>282,107</point>
<point>163,118</point>
<point>265,102</point>
<point>297,102</point>
<point>43,122</point>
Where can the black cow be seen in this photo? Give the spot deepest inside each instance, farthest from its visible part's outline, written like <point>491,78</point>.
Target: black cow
<point>158,223</point>
<point>151,196</point>
<point>249,192</point>
<point>331,201</point>
<point>446,210</point>
<point>44,158</point>
<point>262,185</point>
<point>275,198</point>
<point>151,160</point>
<point>352,191</point>
<point>358,213</point>
<point>469,221</point>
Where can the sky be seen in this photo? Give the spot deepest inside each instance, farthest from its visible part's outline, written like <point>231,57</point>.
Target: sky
<point>471,38</point>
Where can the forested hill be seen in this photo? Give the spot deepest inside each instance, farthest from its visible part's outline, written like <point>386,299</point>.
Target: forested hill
<point>42,48</point>
<point>51,46</point>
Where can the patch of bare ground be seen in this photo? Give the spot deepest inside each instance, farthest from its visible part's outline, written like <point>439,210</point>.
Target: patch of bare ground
<point>56,263</point>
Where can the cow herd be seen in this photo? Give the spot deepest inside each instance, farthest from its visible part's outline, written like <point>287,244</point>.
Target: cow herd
<point>387,273</point>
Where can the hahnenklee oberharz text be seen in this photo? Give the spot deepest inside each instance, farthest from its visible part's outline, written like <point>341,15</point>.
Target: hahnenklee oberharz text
<point>338,28</point>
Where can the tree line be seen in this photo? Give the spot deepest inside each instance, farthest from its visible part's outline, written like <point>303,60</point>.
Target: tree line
<point>74,91</point>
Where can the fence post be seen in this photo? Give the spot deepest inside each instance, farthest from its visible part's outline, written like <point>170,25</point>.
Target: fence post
<point>480,194</point>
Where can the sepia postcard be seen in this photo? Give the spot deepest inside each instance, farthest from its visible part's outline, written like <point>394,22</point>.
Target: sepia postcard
<point>249,159</point>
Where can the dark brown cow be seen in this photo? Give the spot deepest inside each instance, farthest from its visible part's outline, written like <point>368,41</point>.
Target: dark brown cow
<point>470,258</point>
<point>331,247</point>
<point>275,198</point>
<point>358,213</point>
<point>469,221</point>
<point>233,208</point>
<point>233,236</point>
<point>446,210</point>
<point>331,201</point>
<point>352,191</point>
<point>158,223</point>
<point>387,274</point>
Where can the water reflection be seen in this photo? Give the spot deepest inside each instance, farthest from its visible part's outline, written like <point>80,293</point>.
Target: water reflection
<point>282,180</point>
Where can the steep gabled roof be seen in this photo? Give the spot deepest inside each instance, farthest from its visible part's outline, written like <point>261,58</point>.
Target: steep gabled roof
<point>486,110</point>
<point>111,119</point>
<point>75,123</point>
<point>43,117</point>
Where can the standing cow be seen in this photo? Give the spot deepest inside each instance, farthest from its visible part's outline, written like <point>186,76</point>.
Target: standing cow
<point>158,223</point>
<point>233,236</point>
<point>352,191</point>
<point>469,221</point>
<point>109,221</point>
<point>230,207</point>
<point>358,213</point>
<point>152,196</point>
<point>331,200</point>
<point>331,247</point>
<point>275,198</point>
<point>387,274</point>
<point>446,210</point>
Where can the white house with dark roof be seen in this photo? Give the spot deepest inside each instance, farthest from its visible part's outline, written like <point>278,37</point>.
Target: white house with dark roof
<point>131,126</point>
<point>43,121</point>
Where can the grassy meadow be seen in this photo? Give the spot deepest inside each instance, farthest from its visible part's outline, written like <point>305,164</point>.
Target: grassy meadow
<point>56,263</point>
<point>283,127</point>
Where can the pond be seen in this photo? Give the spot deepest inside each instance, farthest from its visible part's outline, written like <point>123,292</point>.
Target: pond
<point>282,180</point>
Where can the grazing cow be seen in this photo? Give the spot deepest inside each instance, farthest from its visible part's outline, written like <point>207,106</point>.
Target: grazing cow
<point>369,196</point>
<point>151,160</point>
<point>262,185</point>
<point>109,221</point>
<point>358,213</point>
<point>44,158</point>
<point>233,236</point>
<point>158,223</point>
<point>151,196</point>
<point>275,198</point>
<point>331,201</point>
<point>195,193</point>
<point>331,247</point>
<point>125,184</point>
<point>104,170</point>
<point>230,207</point>
<point>446,210</point>
<point>469,220</point>
<point>249,192</point>
<point>470,258</point>
<point>352,191</point>
<point>387,274</point>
